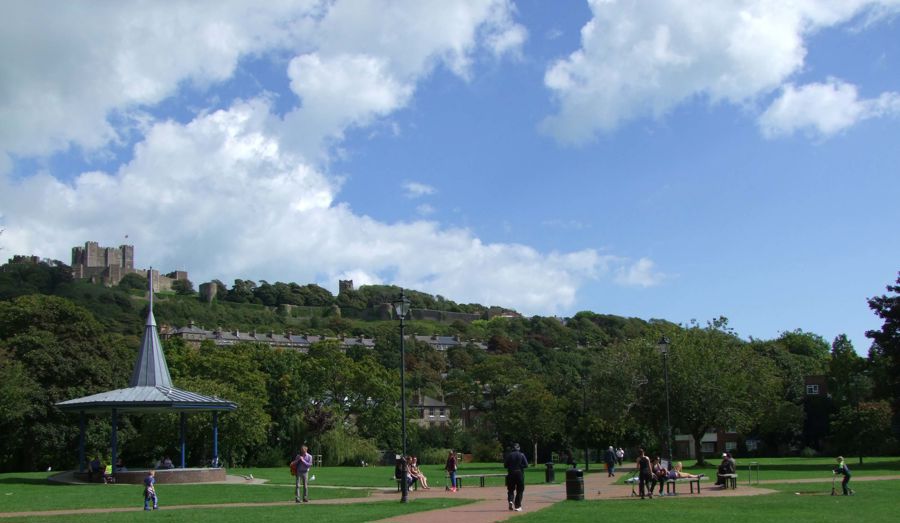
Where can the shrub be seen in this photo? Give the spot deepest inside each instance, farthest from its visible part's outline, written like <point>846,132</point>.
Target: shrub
<point>809,452</point>
<point>487,451</point>
<point>339,447</point>
<point>433,456</point>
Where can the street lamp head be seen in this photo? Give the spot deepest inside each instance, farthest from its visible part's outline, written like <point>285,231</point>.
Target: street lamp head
<point>663,346</point>
<point>401,305</point>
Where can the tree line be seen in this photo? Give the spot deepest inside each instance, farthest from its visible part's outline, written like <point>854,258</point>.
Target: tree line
<point>589,381</point>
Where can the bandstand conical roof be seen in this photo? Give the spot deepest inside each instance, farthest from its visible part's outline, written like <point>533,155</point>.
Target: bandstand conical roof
<point>150,388</point>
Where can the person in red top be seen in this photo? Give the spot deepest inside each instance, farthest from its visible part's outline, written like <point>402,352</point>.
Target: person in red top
<point>450,467</point>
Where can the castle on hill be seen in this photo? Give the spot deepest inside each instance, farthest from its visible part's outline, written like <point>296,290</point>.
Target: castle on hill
<point>108,265</point>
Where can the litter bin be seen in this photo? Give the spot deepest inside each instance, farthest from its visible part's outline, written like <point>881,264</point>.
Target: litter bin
<point>575,484</point>
<point>549,474</point>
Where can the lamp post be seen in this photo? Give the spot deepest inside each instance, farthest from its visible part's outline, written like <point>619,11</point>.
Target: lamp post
<point>584,382</point>
<point>402,308</point>
<point>664,349</point>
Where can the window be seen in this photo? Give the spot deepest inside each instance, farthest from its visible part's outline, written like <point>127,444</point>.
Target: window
<point>730,446</point>
<point>812,390</point>
<point>441,412</point>
<point>751,444</point>
<point>709,447</point>
<point>431,411</point>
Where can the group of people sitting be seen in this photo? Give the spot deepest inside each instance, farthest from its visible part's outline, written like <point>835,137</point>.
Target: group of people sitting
<point>653,472</point>
<point>411,474</point>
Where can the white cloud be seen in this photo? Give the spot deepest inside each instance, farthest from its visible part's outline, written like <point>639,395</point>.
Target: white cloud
<point>642,273</point>
<point>221,197</point>
<point>425,209</point>
<point>66,68</point>
<point>234,193</point>
<point>823,109</point>
<point>416,189</point>
<point>639,60</point>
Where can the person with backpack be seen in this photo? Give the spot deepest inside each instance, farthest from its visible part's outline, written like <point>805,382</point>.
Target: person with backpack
<point>300,466</point>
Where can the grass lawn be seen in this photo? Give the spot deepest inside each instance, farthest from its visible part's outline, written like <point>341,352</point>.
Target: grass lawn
<point>874,501</point>
<point>382,477</point>
<point>350,513</point>
<point>798,468</point>
<point>32,491</point>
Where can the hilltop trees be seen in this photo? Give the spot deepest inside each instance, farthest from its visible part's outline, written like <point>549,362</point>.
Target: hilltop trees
<point>885,352</point>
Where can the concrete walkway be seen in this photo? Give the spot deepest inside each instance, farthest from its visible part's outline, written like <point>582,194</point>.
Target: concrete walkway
<point>490,504</point>
<point>493,505</point>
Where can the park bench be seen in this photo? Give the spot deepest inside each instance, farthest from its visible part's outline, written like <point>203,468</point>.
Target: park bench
<point>459,478</point>
<point>730,480</point>
<point>672,484</point>
<point>414,486</point>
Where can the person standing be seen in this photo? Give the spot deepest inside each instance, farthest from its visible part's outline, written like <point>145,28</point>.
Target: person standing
<point>610,458</point>
<point>620,455</point>
<point>515,464</point>
<point>844,470</point>
<point>301,465</point>
<point>450,467</point>
<point>150,490</point>
<point>645,474</point>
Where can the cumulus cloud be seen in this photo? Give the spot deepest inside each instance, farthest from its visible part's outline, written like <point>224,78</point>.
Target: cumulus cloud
<point>637,61</point>
<point>235,192</point>
<point>109,58</point>
<point>416,189</point>
<point>641,273</point>
<point>823,109</point>
<point>65,69</point>
<point>248,208</point>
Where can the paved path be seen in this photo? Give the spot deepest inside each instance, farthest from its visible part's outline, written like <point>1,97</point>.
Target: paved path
<point>493,505</point>
<point>490,505</point>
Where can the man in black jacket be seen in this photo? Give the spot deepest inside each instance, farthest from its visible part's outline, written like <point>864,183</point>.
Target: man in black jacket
<point>515,464</point>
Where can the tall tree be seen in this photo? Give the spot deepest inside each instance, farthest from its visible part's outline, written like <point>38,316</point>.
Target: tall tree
<point>717,381</point>
<point>885,351</point>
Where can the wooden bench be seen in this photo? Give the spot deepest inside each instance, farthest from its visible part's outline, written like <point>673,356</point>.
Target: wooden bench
<point>414,486</point>
<point>730,480</point>
<point>459,478</point>
<point>672,484</point>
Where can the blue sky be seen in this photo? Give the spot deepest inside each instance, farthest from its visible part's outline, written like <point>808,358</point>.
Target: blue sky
<point>660,159</point>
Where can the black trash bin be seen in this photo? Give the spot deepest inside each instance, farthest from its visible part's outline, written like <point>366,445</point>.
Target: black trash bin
<point>549,474</point>
<point>575,484</point>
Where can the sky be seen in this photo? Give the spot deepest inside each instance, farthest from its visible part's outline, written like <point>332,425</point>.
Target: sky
<point>673,159</point>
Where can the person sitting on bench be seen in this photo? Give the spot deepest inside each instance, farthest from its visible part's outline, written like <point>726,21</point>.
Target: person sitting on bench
<point>413,465</point>
<point>725,468</point>
<point>660,475</point>
<point>401,472</point>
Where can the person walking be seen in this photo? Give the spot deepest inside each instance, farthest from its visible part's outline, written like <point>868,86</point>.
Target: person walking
<point>150,490</point>
<point>610,458</point>
<point>620,455</point>
<point>844,470</point>
<point>301,465</point>
<point>450,467</point>
<point>645,474</point>
<point>515,464</point>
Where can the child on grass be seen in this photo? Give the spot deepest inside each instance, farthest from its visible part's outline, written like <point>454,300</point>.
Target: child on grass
<point>150,491</point>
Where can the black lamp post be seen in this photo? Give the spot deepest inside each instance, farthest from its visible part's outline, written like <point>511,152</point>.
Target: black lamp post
<point>584,382</point>
<point>664,349</point>
<point>402,308</point>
